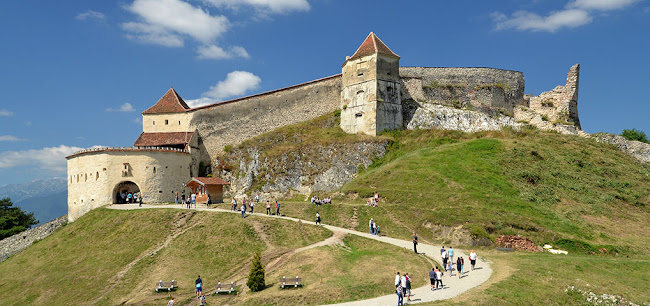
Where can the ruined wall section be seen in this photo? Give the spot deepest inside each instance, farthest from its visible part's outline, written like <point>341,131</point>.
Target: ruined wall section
<point>231,122</point>
<point>16,243</point>
<point>476,88</point>
<point>93,175</point>
<point>559,105</point>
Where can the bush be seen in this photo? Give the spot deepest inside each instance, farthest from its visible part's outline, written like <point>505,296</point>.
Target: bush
<point>228,148</point>
<point>256,275</point>
<point>635,134</point>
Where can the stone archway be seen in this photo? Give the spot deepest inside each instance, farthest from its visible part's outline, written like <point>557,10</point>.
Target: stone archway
<point>124,188</point>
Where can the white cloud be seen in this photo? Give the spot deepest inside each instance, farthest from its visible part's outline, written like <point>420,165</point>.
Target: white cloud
<point>126,107</point>
<point>9,138</point>
<point>50,159</point>
<point>137,120</point>
<point>91,15</point>
<point>216,52</point>
<point>168,22</point>
<point>273,6</point>
<point>575,14</point>
<point>603,5</point>
<point>5,113</point>
<point>236,84</point>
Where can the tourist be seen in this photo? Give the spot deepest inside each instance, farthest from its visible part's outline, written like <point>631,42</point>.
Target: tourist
<point>415,242</point>
<point>129,196</point>
<point>182,200</point>
<point>252,206</point>
<point>408,287</point>
<point>442,250</point>
<point>472,259</point>
<point>209,201</point>
<point>171,301</point>
<point>450,251</point>
<point>277,205</point>
<point>318,219</point>
<point>451,267</point>
<point>268,207</point>
<point>202,299</point>
<point>194,199</point>
<point>439,275</point>
<point>370,231</point>
<point>234,204</point>
<point>459,266</point>
<point>176,198</point>
<point>432,277</point>
<point>243,210</point>
<point>139,200</point>
<point>257,198</point>
<point>400,294</point>
<point>199,285</point>
<point>445,258</point>
<point>398,279</point>
<point>402,284</point>
<point>376,198</point>
<point>374,228</point>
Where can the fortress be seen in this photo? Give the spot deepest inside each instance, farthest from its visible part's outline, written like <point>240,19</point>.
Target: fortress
<point>373,93</point>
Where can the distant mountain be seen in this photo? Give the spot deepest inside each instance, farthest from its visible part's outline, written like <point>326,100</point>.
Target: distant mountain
<point>47,199</point>
<point>19,192</point>
<point>46,208</point>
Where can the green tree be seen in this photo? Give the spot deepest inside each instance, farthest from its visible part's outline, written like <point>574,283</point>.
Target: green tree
<point>14,220</point>
<point>256,275</point>
<point>635,134</point>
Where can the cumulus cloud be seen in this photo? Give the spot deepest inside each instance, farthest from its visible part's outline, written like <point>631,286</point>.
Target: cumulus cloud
<point>273,6</point>
<point>216,52</point>
<point>126,107</point>
<point>170,22</point>
<point>236,84</point>
<point>9,138</point>
<point>5,113</point>
<point>91,15</point>
<point>51,159</point>
<point>574,14</point>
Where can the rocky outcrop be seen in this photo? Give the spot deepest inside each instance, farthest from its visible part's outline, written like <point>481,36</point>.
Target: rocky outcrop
<point>427,116</point>
<point>16,243</point>
<point>303,170</point>
<point>636,149</point>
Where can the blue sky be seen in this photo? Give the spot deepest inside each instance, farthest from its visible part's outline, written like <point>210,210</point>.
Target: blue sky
<point>76,74</point>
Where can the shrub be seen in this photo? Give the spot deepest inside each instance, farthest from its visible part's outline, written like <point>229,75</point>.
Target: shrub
<point>256,275</point>
<point>635,134</point>
<point>227,148</point>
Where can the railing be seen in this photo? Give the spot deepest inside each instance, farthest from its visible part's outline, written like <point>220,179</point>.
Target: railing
<point>136,148</point>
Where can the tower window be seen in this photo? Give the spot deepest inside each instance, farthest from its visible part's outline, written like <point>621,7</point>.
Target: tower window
<point>358,115</point>
<point>154,122</point>
<point>179,123</point>
<point>166,122</point>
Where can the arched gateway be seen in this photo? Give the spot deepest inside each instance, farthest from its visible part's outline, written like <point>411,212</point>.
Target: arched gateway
<point>122,189</point>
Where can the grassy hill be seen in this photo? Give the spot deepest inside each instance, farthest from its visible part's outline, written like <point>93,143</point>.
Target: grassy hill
<point>453,187</point>
<point>113,257</point>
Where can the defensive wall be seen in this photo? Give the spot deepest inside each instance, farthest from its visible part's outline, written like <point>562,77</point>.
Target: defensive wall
<point>16,243</point>
<point>95,176</point>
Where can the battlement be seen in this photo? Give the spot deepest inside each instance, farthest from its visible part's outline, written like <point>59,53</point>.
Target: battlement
<point>126,149</point>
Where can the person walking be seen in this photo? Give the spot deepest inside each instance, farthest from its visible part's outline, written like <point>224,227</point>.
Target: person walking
<point>252,206</point>
<point>450,251</point>
<point>318,219</point>
<point>472,259</point>
<point>171,301</point>
<point>370,231</point>
<point>400,295</point>
<point>415,243</point>
<point>243,210</point>
<point>199,286</point>
<point>268,207</point>
<point>374,228</point>
<point>257,198</point>
<point>408,287</point>
<point>445,257</point>
<point>432,277</point>
<point>277,205</point>
<point>439,278</point>
<point>176,198</point>
<point>398,279</point>
<point>202,299</point>
<point>402,284</point>
<point>459,266</point>
<point>193,199</point>
<point>234,204</point>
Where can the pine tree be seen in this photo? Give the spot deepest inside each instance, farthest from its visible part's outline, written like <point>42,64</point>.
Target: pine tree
<point>256,275</point>
<point>14,220</point>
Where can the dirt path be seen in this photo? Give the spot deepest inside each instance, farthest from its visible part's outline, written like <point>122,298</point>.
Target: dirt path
<point>454,286</point>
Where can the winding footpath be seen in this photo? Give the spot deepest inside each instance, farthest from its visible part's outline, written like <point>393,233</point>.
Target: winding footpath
<point>453,285</point>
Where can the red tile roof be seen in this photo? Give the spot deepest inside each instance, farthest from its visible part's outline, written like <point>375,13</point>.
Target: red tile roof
<point>171,102</point>
<point>207,181</point>
<point>163,139</point>
<point>372,45</point>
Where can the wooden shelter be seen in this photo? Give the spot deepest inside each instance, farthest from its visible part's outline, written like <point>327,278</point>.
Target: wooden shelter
<point>204,186</point>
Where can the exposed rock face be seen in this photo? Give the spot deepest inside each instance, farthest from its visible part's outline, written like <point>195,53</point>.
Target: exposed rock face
<point>427,116</point>
<point>16,243</point>
<point>308,170</point>
<point>559,105</point>
<point>636,149</point>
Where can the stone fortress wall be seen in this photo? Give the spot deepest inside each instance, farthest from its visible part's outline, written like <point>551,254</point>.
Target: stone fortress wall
<point>16,243</point>
<point>94,176</point>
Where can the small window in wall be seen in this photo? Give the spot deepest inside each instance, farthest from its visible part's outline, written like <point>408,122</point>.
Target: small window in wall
<point>360,73</point>
<point>358,115</point>
<point>97,175</point>
<point>154,122</point>
<point>179,123</point>
<point>166,122</point>
<point>86,177</point>
<point>154,169</point>
<point>126,166</point>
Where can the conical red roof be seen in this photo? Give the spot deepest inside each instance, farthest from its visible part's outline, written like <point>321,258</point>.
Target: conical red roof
<point>171,102</point>
<point>372,45</point>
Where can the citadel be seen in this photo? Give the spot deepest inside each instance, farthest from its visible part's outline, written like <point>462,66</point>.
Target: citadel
<point>373,93</point>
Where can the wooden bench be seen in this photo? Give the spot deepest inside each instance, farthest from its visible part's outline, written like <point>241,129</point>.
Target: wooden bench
<point>225,287</point>
<point>291,281</point>
<point>167,286</point>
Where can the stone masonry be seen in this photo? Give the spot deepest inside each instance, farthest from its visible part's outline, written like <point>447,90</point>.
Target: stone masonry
<point>16,243</point>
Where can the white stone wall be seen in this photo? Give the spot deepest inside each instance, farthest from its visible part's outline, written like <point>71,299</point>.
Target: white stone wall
<point>173,122</point>
<point>92,176</point>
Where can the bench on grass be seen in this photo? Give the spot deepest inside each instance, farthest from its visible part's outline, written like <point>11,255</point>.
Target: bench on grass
<point>226,287</point>
<point>165,286</point>
<point>291,281</point>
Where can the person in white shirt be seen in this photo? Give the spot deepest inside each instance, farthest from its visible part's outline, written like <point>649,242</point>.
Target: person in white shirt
<point>398,280</point>
<point>472,258</point>
<point>445,258</point>
<point>403,284</point>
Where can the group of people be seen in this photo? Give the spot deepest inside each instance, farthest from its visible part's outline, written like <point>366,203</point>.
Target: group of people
<point>250,205</point>
<point>447,255</point>
<point>403,288</point>
<point>318,201</point>
<point>129,198</point>
<point>373,228</point>
<point>374,201</point>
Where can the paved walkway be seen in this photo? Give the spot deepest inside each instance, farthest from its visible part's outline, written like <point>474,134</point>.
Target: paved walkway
<point>453,285</point>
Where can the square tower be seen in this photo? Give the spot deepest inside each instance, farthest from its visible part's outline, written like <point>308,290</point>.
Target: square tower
<point>370,95</point>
